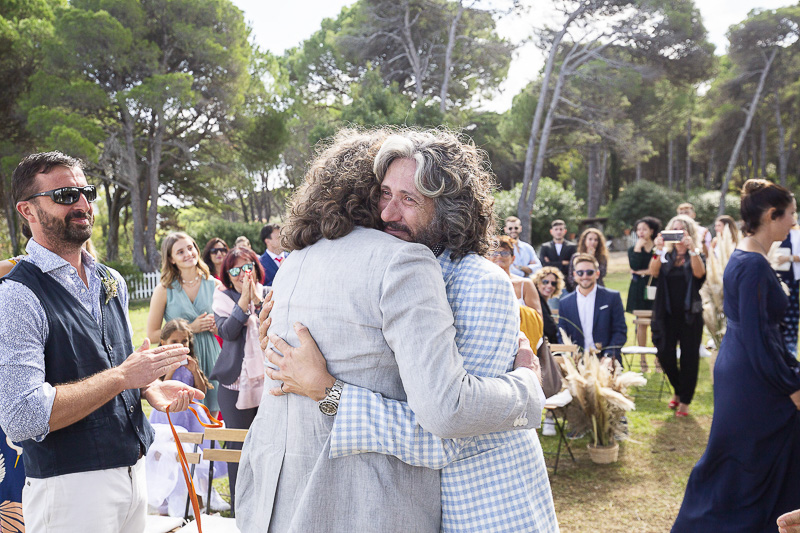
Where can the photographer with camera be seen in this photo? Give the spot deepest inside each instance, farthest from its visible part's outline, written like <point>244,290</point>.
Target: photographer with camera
<point>679,265</point>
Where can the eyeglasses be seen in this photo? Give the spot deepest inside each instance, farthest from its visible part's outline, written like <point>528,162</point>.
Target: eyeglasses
<point>69,195</point>
<point>548,282</point>
<point>218,251</point>
<point>582,273</point>
<point>512,228</point>
<point>501,254</point>
<point>235,271</point>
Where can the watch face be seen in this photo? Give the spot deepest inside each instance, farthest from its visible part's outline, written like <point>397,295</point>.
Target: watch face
<point>328,407</point>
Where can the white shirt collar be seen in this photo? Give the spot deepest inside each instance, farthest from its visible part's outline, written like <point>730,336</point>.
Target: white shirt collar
<point>273,256</point>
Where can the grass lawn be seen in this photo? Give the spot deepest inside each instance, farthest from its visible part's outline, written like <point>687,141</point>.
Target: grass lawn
<point>644,489</point>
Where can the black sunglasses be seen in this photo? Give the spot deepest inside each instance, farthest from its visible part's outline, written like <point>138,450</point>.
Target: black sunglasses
<point>69,195</point>
<point>511,228</point>
<point>548,282</point>
<point>235,271</point>
<point>589,272</point>
<point>218,251</point>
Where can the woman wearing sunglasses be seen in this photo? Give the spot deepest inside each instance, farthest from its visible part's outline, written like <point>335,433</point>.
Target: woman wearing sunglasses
<point>240,367</point>
<point>503,256</point>
<point>214,254</point>
<point>549,281</point>
<point>680,268</point>
<point>186,291</point>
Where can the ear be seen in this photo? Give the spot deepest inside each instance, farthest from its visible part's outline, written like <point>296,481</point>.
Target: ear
<point>771,213</point>
<point>26,210</point>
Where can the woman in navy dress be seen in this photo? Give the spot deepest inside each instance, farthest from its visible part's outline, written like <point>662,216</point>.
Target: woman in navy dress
<point>750,472</point>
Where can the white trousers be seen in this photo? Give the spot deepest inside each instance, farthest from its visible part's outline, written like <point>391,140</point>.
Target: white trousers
<point>103,501</point>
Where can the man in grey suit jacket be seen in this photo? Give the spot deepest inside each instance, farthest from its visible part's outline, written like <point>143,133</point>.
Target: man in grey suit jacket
<point>378,310</point>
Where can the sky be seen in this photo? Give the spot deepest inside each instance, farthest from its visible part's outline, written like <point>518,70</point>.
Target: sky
<point>281,25</point>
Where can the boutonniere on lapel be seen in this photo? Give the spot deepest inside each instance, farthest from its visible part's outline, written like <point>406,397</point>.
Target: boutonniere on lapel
<point>110,285</point>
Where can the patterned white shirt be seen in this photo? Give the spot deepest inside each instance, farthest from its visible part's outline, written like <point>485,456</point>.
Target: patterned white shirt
<point>26,399</point>
<point>496,482</point>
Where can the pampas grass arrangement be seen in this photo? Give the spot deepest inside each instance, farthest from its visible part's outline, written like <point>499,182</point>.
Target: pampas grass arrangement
<point>601,390</point>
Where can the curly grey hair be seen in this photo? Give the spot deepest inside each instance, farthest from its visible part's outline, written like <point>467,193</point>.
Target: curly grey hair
<point>456,175</point>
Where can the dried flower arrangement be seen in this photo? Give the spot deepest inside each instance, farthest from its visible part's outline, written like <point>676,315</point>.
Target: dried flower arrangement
<point>711,291</point>
<point>601,388</point>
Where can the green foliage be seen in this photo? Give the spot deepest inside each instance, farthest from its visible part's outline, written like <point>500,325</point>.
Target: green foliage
<point>205,230</point>
<point>553,201</point>
<point>706,204</point>
<point>643,198</point>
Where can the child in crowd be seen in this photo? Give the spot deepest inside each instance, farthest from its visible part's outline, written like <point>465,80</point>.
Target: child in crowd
<point>166,489</point>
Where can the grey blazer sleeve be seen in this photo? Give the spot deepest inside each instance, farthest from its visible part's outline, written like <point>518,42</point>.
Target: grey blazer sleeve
<point>419,329</point>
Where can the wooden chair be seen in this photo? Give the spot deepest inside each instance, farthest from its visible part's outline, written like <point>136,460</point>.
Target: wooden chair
<point>217,524</point>
<point>165,524</point>
<point>571,349</point>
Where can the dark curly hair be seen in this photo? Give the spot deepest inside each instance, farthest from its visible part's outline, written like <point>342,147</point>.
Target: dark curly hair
<point>339,192</point>
<point>456,175</point>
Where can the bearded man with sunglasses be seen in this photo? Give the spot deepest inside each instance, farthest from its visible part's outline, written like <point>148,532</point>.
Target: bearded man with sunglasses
<point>70,381</point>
<point>593,315</point>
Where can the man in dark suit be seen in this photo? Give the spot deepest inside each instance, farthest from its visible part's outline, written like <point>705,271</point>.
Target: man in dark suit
<point>273,256</point>
<point>593,315</point>
<point>558,252</point>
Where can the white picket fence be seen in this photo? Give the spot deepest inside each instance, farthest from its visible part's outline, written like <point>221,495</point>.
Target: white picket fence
<point>141,288</point>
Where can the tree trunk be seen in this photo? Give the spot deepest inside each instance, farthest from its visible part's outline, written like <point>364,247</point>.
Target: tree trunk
<point>763,150</point>
<point>448,58</point>
<point>688,182</point>
<point>11,217</point>
<point>743,132</point>
<point>529,184</point>
<point>670,154</point>
<point>130,175</point>
<point>154,165</point>
<point>613,177</point>
<point>112,234</point>
<point>591,179</point>
<point>638,171</point>
<point>597,179</point>
<point>411,51</point>
<point>783,159</point>
<point>712,169</point>
<point>753,156</point>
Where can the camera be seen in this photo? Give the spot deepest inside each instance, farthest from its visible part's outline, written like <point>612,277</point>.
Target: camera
<point>672,235</point>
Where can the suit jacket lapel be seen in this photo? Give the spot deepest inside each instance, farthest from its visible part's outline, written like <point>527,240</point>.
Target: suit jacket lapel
<point>599,300</point>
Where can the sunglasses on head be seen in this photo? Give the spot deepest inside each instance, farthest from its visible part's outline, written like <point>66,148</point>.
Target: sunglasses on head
<point>235,271</point>
<point>548,282</point>
<point>589,272</point>
<point>503,253</point>
<point>218,251</point>
<point>69,195</point>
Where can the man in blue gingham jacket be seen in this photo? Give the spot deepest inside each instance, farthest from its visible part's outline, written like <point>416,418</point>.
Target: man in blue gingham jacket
<point>494,482</point>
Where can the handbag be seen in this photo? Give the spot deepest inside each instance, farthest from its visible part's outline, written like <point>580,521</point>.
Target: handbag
<point>650,290</point>
<point>551,372</point>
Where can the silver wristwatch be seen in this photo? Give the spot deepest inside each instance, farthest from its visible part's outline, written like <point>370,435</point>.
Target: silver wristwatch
<point>330,403</point>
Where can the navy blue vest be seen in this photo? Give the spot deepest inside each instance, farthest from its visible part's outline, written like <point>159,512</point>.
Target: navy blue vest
<point>77,348</point>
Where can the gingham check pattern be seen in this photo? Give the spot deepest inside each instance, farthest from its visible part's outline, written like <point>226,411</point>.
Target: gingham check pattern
<point>494,482</point>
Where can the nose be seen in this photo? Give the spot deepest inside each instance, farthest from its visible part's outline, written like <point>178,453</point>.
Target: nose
<point>391,213</point>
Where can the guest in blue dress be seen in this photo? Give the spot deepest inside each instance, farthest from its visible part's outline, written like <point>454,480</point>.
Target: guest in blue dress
<point>750,472</point>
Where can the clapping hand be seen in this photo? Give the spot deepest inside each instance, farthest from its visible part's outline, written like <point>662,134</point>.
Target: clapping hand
<point>204,322</point>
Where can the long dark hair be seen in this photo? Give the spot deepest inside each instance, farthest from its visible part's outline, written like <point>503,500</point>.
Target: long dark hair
<point>212,243</point>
